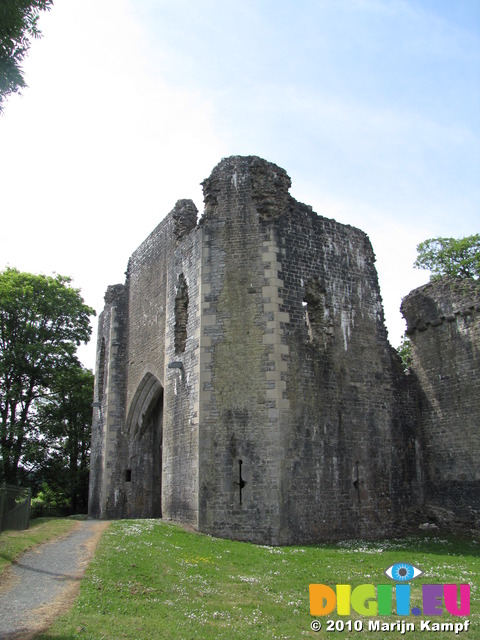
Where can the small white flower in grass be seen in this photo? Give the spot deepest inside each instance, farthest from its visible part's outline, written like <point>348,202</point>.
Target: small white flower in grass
<point>249,579</point>
<point>270,549</point>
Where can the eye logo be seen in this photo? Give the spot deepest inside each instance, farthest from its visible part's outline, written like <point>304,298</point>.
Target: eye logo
<point>403,572</point>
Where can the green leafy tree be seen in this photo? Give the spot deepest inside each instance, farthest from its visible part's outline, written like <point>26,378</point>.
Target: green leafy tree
<point>18,23</point>
<point>405,353</point>
<point>42,321</point>
<point>65,419</point>
<point>459,258</point>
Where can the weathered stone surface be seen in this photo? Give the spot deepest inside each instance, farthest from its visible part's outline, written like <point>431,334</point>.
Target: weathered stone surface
<point>246,383</point>
<point>443,323</point>
<point>184,218</point>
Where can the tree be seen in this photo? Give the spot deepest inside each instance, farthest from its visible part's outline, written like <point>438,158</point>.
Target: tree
<point>42,321</point>
<point>18,22</point>
<point>65,420</point>
<point>405,352</point>
<point>459,258</point>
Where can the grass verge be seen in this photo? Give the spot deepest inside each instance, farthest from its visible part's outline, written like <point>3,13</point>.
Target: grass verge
<point>14,543</point>
<point>153,580</point>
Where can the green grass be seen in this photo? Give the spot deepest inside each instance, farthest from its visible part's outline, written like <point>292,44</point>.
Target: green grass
<point>150,580</point>
<point>14,543</point>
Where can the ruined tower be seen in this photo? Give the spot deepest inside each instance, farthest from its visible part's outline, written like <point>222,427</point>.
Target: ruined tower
<point>443,324</point>
<point>245,384</point>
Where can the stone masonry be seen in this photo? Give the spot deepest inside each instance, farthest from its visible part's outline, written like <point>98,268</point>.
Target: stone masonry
<point>443,324</point>
<point>245,384</point>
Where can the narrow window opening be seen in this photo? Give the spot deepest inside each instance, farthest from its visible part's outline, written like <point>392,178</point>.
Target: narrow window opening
<point>241,482</point>
<point>357,482</point>
<point>181,314</point>
<point>101,371</point>
<point>314,309</point>
<point>316,314</point>
<point>128,475</point>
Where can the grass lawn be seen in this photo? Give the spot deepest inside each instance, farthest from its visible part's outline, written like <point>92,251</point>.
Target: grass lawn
<point>14,543</point>
<point>150,580</point>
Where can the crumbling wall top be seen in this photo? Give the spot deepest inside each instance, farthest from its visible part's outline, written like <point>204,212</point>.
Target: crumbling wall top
<point>114,293</point>
<point>184,218</point>
<point>268,184</point>
<point>441,299</point>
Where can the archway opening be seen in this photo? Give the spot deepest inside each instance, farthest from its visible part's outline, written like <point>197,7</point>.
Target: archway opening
<point>144,430</point>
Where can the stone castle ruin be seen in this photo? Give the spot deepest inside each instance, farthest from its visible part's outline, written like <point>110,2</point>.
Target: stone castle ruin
<point>245,384</point>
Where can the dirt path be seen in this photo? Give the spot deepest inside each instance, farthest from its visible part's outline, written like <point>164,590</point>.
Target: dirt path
<point>44,582</point>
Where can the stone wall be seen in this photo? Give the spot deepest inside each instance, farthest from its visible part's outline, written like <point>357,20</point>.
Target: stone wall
<point>181,423</point>
<point>351,427</point>
<point>304,388</point>
<point>241,450</point>
<point>443,324</point>
<point>144,439</point>
<point>245,384</point>
<point>106,498</point>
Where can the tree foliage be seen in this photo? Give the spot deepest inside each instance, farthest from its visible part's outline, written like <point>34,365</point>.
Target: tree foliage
<point>65,420</point>
<point>18,23</point>
<point>405,353</point>
<point>459,258</point>
<point>42,321</point>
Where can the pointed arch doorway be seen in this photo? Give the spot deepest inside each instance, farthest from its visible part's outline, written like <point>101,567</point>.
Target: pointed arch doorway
<point>144,429</point>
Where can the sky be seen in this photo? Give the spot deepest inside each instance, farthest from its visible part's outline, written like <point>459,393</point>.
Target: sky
<point>371,106</point>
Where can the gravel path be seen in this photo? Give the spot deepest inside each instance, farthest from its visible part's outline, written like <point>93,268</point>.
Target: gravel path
<point>44,581</point>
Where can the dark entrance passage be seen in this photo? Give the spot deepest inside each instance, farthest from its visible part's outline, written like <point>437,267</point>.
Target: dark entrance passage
<point>143,475</point>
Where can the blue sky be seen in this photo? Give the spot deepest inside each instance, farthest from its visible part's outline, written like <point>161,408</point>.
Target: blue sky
<point>371,106</point>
